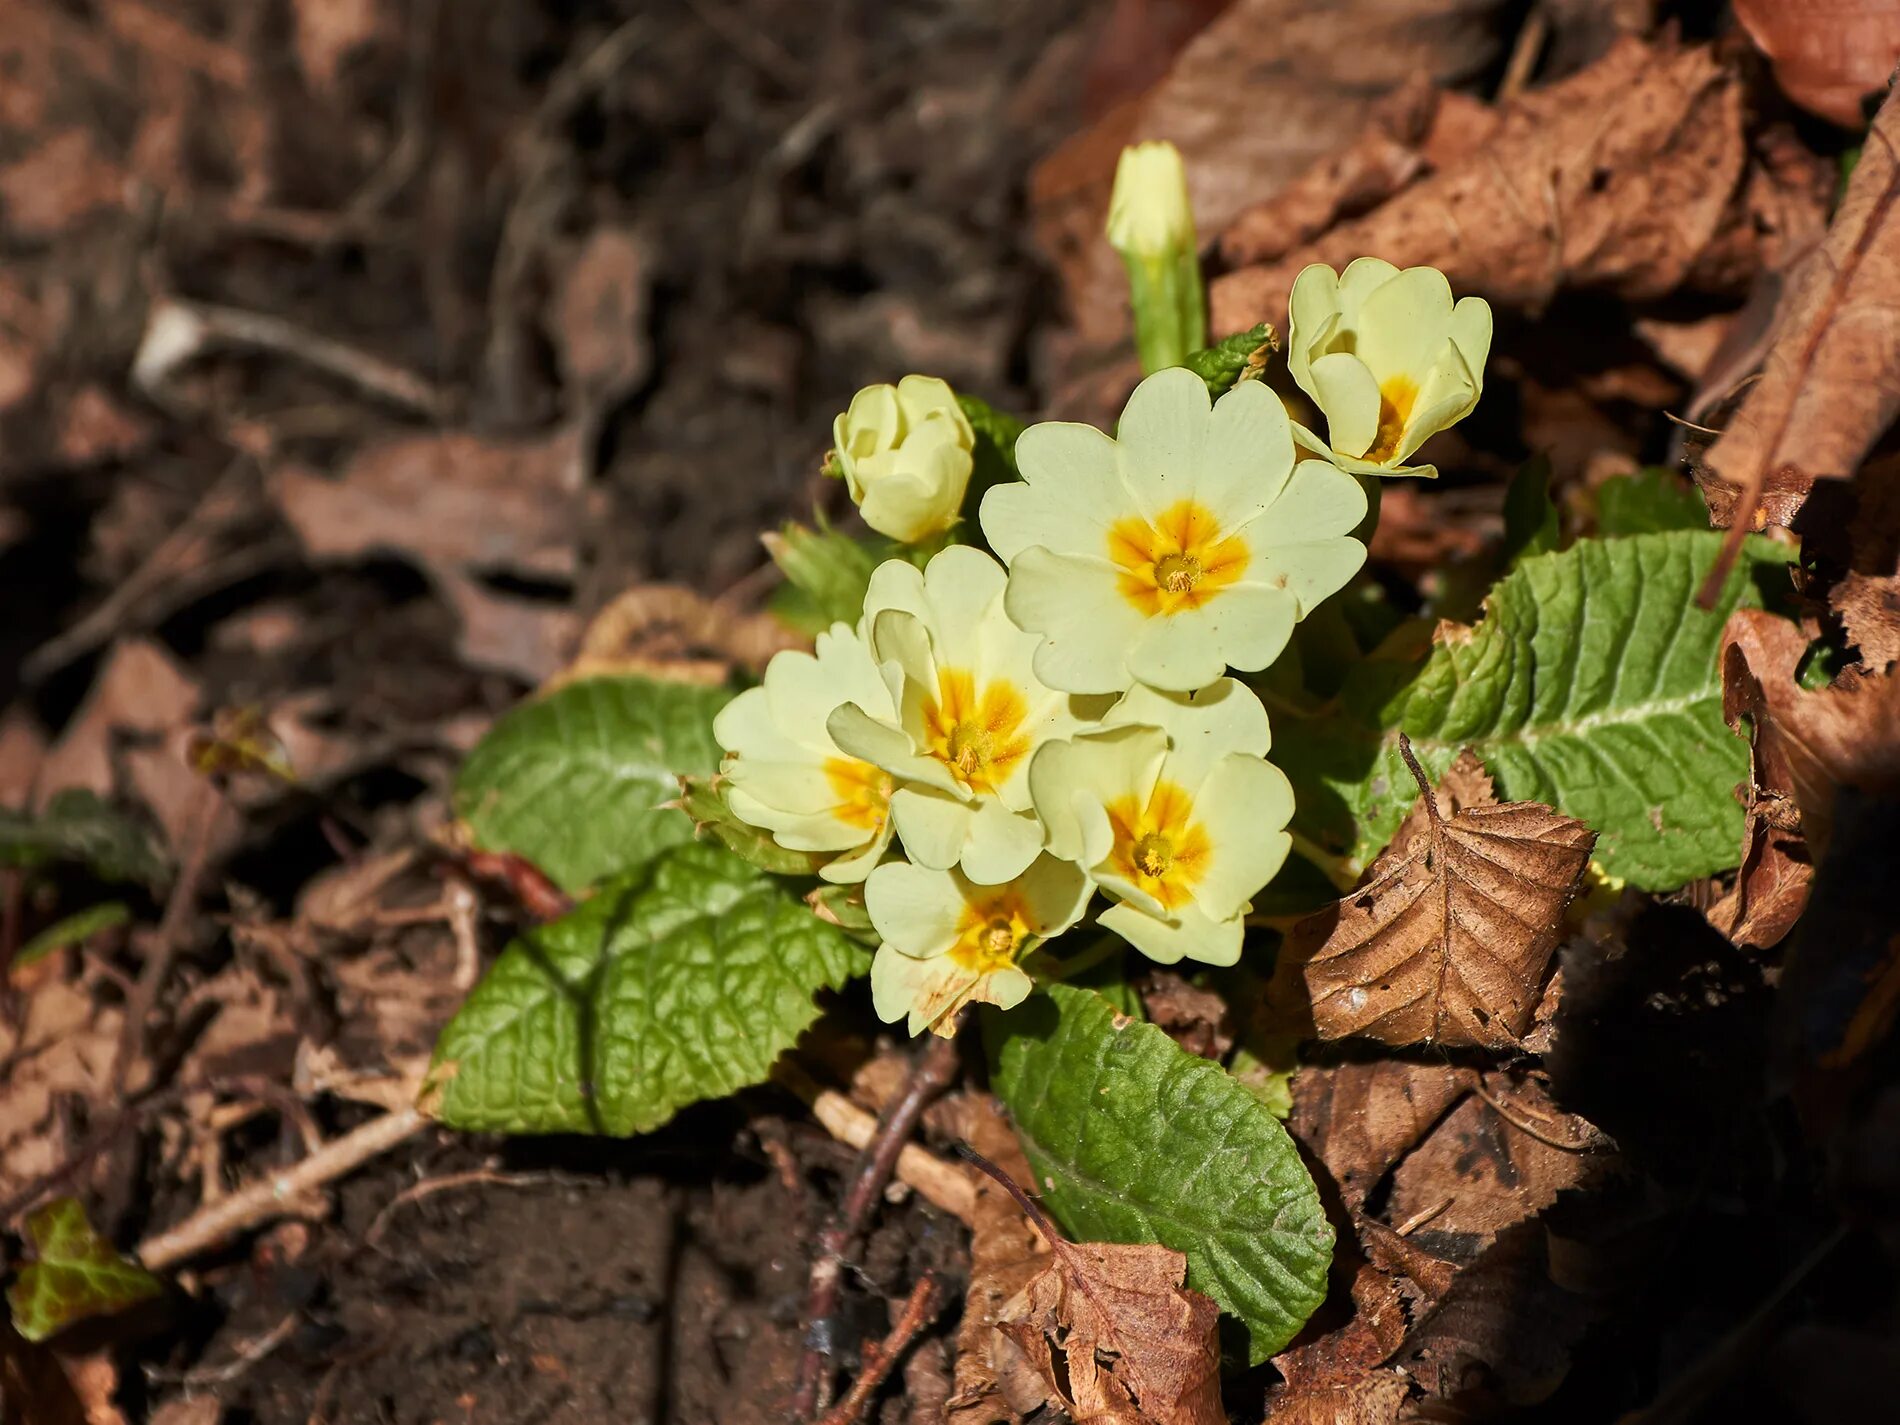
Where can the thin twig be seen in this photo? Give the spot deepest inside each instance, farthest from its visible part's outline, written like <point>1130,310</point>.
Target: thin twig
<point>925,1300</point>
<point>1530,1130</point>
<point>247,1355</point>
<point>280,1193</point>
<point>429,1187</point>
<point>931,1073</point>
<point>178,331</point>
<point>939,1183</point>
<point>168,937</point>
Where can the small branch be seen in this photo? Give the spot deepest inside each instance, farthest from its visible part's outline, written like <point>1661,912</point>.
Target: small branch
<point>178,332</point>
<point>925,1300</point>
<point>931,1073</point>
<point>532,886</point>
<point>280,1193</point>
<point>939,1183</point>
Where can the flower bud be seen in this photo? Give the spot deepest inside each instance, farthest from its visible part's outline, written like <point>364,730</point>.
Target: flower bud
<point>1151,224</point>
<point>905,452</point>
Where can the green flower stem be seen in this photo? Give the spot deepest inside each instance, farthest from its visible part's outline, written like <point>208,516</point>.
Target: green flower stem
<point>1170,310</point>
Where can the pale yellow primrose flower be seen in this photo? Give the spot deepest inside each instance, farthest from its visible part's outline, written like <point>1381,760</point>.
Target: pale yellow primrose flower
<point>906,455</point>
<point>949,942</point>
<point>969,713</point>
<point>1189,543</point>
<point>1387,358</point>
<point>785,774</point>
<point>1175,812</point>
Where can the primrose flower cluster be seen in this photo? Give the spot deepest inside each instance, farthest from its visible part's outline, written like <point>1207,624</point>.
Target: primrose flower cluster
<point>1059,720</point>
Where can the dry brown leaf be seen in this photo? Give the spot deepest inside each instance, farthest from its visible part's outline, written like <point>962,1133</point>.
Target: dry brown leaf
<point>1499,1157</point>
<point>329,32</point>
<point>1361,1119</point>
<point>1504,1329</point>
<point>62,1046</point>
<point>1335,1380</point>
<point>1194,1018</point>
<point>1828,55</point>
<point>1117,1336</point>
<point>456,500</point>
<point>1847,735</point>
<point>141,690</point>
<point>1771,885</point>
<point>1448,940</point>
<point>1831,382</point>
<point>1632,177</point>
<point>600,317</point>
<point>1869,608</point>
<point>1006,1253</point>
<point>1259,96</point>
<point>1409,132</point>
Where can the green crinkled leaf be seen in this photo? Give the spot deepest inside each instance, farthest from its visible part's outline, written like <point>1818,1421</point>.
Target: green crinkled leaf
<point>1221,364</point>
<point>1647,502</point>
<point>993,459</point>
<point>1591,684</point>
<point>682,981</point>
<point>575,781</point>
<point>78,1274</point>
<point>76,826</point>
<point>1135,1140</point>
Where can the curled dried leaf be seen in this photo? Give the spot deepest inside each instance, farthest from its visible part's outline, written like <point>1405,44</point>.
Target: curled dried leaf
<point>1831,383</point>
<point>1448,940</point>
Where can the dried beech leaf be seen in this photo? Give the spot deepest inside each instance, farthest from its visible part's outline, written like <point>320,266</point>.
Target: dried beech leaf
<point>1771,886</point>
<point>1504,1328</point>
<point>1118,1336</point>
<point>1844,736</point>
<point>1360,1119</point>
<point>1831,384</point>
<point>1448,941</point>
<point>1006,1253</point>
<point>1828,55</point>
<point>1633,176</point>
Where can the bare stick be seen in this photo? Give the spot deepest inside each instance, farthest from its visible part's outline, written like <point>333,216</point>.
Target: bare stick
<point>178,331</point>
<point>280,1193</point>
<point>940,1184</point>
<point>931,1073</point>
<point>925,1298</point>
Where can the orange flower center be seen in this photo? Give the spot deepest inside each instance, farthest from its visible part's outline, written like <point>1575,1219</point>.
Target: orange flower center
<point>1159,847</point>
<point>863,792</point>
<point>1178,562</point>
<point>979,736</point>
<point>990,932</point>
<point>1396,398</point>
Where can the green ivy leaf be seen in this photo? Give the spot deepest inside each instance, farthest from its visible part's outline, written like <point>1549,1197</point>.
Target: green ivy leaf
<point>1647,502</point>
<point>1133,1139</point>
<point>576,781</point>
<point>679,982</point>
<point>78,1275</point>
<point>1591,684</point>
<point>1223,364</point>
<point>77,826</point>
